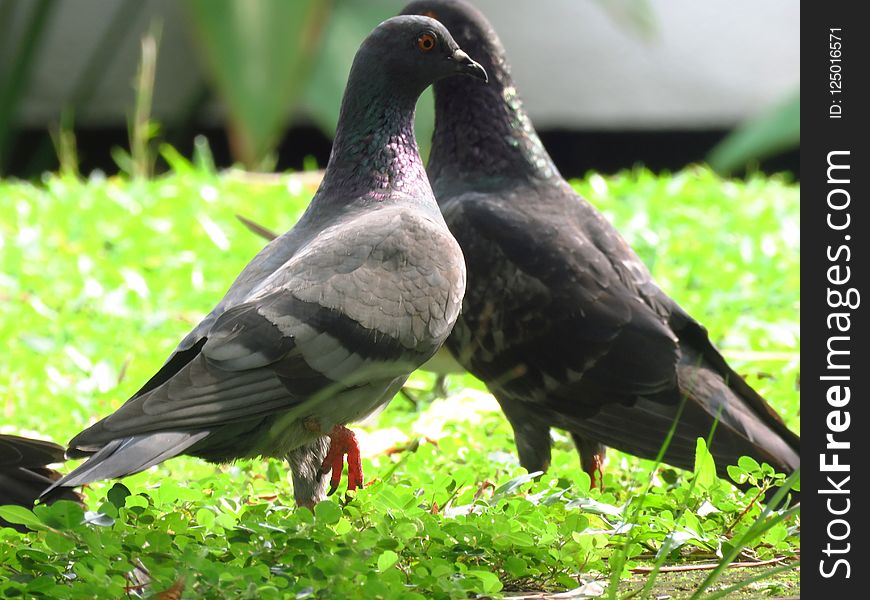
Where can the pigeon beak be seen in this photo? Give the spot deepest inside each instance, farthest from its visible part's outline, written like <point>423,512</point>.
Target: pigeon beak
<point>465,65</point>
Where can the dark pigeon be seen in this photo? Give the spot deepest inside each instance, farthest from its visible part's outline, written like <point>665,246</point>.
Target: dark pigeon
<point>325,324</point>
<point>561,319</point>
<point>25,472</point>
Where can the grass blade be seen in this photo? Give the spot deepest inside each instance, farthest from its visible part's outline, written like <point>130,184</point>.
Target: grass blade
<point>757,529</point>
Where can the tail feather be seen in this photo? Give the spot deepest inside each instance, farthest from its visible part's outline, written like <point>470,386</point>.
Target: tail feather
<point>741,430</point>
<point>22,486</point>
<point>699,353</point>
<point>16,451</point>
<point>129,455</point>
<point>641,428</point>
<point>24,473</point>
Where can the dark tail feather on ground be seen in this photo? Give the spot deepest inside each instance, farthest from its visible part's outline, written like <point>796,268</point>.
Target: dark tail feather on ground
<point>24,472</point>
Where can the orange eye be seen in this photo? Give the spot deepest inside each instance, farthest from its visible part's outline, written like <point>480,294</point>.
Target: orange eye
<point>426,42</point>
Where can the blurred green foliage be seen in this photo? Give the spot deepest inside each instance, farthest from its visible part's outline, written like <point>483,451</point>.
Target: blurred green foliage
<point>349,24</point>
<point>265,60</point>
<point>635,16</point>
<point>259,55</point>
<point>14,79</point>
<point>775,130</point>
<point>270,59</point>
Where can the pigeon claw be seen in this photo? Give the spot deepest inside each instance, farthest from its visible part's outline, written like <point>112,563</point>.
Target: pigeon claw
<point>342,442</point>
<point>596,467</point>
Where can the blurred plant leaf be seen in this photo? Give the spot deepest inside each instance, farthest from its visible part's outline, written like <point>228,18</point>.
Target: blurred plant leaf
<point>259,56</point>
<point>636,16</point>
<point>142,129</point>
<point>14,83</point>
<point>705,467</point>
<point>773,131</point>
<point>349,24</point>
<point>64,138</point>
<point>424,123</point>
<point>87,84</point>
<point>19,515</point>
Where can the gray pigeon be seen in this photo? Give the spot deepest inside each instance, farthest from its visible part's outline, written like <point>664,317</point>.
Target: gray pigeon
<point>325,324</point>
<point>561,319</point>
<point>24,471</point>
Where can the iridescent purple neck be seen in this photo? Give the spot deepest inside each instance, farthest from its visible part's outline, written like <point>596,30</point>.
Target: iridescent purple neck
<point>375,152</point>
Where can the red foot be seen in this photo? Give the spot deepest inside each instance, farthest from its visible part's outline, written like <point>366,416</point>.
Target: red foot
<point>342,442</point>
<point>596,467</point>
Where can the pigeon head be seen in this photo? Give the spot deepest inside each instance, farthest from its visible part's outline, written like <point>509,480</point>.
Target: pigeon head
<point>483,135</point>
<point>468,27</point>
<point>374,152</point>
<point>412,52</point>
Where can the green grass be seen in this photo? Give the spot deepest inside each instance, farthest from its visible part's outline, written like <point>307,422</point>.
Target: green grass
<point>100,279</point>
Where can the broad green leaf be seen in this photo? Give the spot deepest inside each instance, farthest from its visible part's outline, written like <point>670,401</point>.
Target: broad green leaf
<point>386,560</point>
<point>205,517</point>
<point>705,467</point>
<point>134,501</point>
<point>117,495</point>
<point>21,516</point>
<point>491,582</point>
<point>59,543</point>
<point>748,464</point>
<point>342,527</point>
<point>328,512</point>
<point>737,474</point>
<point>63,514</point>
<point>511,486</point>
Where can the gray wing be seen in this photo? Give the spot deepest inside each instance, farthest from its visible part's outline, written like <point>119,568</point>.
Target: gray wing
<point>355,303</point>
<point>275,254</point>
